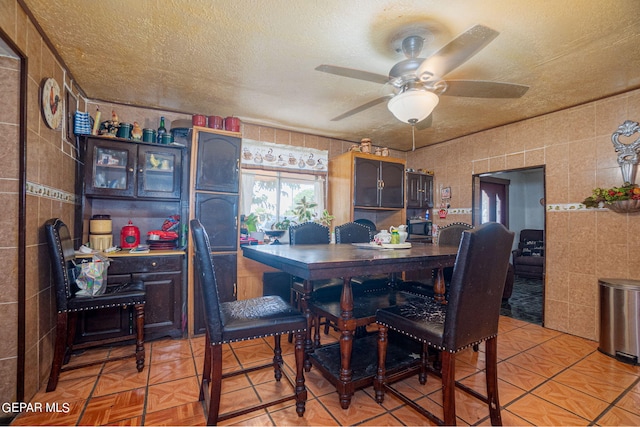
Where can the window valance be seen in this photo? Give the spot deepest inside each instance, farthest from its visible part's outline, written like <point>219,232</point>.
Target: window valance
<point>268,155</point>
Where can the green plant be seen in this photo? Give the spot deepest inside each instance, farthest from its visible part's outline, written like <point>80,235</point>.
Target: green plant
<point>251,222</point>
<point>325,218</point>
<point>304,210</point>
<point>608,196</point>
<point>282,225</point>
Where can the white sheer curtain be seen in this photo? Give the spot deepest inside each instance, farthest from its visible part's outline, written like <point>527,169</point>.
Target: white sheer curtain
<point>246,192</point>
<point>320,191</point>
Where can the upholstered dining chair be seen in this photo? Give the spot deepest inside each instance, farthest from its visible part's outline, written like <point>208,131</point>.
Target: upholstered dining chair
<point>347,233</point>
<point>69,304</point>
<point>353,232</point>
<point>228,322</point>
<point>449,235</point>
<point>312,233</point>
<point>469,318</point>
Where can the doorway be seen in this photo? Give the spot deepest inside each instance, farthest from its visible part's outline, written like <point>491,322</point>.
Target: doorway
<point>515,198</point>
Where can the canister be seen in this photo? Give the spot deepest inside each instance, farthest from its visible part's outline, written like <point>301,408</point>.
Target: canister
<point>100,224</point>
<point>198,120</point>
<point>167,138</point>
<point>124,131</point>
<point>100,242</point>
<point>365,145</point>
<point>149,135</point>
<point>215,122</point>
<point>129,236</point>
<point>232,124</point>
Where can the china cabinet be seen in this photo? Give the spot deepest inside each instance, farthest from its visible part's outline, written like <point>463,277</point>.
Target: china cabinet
<point>145,183</point>
<point>134,170</point>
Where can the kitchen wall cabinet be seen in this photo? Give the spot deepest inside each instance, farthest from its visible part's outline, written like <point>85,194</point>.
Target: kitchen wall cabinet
<point>365,186</point>
<point>119,169</point>
<point>419,191</point>
<point>214,200</point>
<point>162,274</point>
<point>218,163</point>
<point>378,184</point>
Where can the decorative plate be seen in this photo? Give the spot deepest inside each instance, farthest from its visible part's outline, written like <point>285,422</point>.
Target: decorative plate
<point>51,103</point>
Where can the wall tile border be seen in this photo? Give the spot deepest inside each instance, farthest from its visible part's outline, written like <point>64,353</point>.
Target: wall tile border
<point>40,190</point>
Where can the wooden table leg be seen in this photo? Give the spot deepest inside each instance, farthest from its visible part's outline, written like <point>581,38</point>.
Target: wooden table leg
<point>347,327</point>
<point>308,345</point>
<point>439,288</point>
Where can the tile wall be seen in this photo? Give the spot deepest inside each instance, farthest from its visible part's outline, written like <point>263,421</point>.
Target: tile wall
<point>581,245</point>
<point>9,186</point>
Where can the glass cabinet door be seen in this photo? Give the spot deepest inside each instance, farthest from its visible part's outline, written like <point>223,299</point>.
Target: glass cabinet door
<point>159,172</point>
<point>111,169</point>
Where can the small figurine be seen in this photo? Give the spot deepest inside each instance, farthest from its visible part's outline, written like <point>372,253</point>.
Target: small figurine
<point>136,132</point>
<point>154,162</point>
<point>114,118</point>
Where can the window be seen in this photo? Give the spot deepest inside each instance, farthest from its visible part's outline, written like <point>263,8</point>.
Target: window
<point>273,196</point>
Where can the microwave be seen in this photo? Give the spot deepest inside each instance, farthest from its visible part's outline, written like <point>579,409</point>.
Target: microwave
<point>418,227</point>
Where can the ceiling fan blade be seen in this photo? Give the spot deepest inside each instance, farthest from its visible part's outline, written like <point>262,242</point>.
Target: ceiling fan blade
<point>361,108</point>
<point>353,74</point>
<point>457,51</point>
<point>426,123</point>
<point>484,89</point>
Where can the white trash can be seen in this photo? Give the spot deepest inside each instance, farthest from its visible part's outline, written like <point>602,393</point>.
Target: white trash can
<point>620,319</point>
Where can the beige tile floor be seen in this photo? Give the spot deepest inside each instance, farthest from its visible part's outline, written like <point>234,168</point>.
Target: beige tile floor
<point>545,378</point>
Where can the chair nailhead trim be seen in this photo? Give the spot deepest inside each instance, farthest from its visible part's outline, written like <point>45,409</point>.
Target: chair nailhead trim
<point>430,344</point>
<point>102,306</point>
<point>258,336</point>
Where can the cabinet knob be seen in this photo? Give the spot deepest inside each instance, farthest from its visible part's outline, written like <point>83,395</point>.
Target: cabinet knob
<point>139,170</point>
<point>235,290</point>
<point>154,264</point>
<point>131,170</point>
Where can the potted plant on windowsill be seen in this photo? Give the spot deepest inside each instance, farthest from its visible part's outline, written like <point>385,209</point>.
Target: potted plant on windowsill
<point>251,222</point>
<point>625,199</point>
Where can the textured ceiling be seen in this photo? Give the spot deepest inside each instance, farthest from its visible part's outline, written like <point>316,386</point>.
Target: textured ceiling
<point>256,59</point>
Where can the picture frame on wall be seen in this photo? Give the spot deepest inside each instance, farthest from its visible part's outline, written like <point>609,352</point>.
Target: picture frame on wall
<point>70,107</point>
<point>445,193</point>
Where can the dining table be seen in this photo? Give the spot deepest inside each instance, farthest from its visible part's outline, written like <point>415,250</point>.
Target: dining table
<point>346,261</point>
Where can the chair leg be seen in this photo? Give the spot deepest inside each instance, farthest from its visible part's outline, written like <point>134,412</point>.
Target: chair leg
<point>216,385</point>
<point>316,331</point>
<point>72,321</point>
<point>295,302</point>
<point>424,360</point>
<point>139,337</point>
<point>491,348</point>
<point>206,370</point>
<point>381,375</point>
<point>277,358</point>
<point>59,351</point>
<point>449,387</point>
<point>301,390</point>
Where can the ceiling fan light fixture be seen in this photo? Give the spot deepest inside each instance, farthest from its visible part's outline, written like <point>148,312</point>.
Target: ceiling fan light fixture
<point>413,106</point>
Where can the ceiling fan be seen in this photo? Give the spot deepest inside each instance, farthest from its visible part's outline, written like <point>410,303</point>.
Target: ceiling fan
<point>418,82</point>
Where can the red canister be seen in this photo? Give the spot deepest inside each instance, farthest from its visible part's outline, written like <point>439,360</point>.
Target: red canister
<point>199,120</point>
<point>215,122</point>
<point>129,236</point>
<point>232,124</point>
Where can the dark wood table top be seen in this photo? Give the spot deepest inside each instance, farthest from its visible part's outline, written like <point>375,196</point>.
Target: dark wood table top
<point>326,261</point>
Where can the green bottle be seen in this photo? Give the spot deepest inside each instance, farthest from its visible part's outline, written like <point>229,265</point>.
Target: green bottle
<point>395,237</point>
<point>161,130</point>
